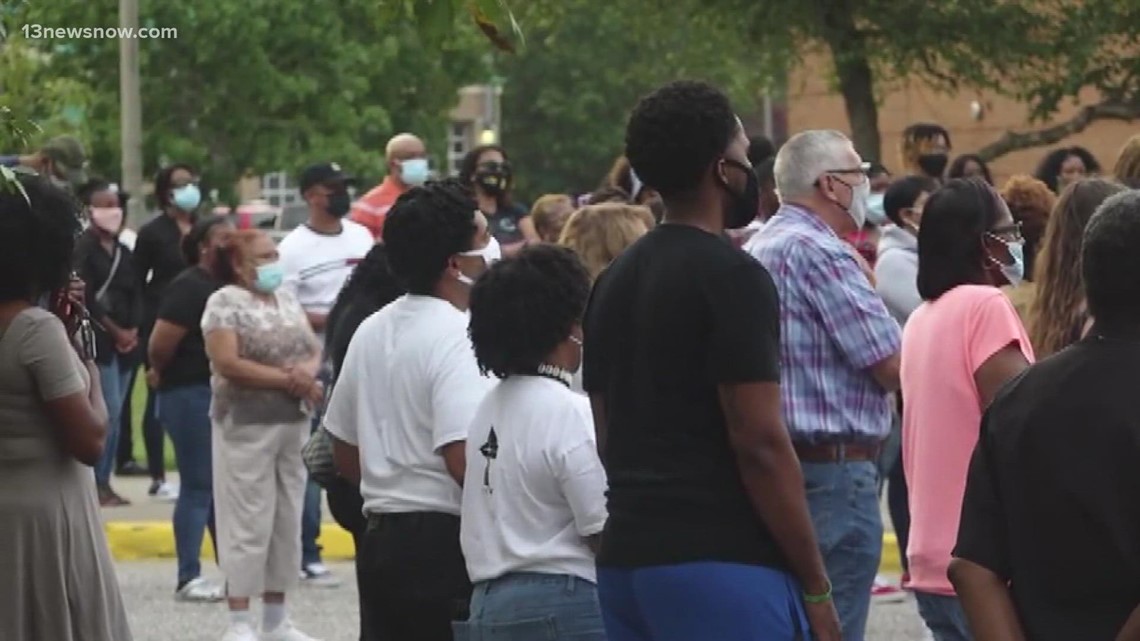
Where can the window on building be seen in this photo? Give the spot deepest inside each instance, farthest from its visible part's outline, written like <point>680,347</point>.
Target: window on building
<point>459,137</point>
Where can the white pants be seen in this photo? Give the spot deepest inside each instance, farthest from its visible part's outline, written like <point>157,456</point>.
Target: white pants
<point>259,488</point>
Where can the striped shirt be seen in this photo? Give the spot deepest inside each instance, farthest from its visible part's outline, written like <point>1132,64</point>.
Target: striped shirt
<point>833,328</point>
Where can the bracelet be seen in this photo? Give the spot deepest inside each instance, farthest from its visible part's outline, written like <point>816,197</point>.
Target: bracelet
<point>819,598</point>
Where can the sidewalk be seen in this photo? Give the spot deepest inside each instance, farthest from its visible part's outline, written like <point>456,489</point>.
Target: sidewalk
<point>142,530</point>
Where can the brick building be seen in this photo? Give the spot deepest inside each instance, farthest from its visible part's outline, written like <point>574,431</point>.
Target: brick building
<point>811,104</point>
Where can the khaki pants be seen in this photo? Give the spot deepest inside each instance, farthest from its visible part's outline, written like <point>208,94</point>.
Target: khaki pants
<point>259,486</point>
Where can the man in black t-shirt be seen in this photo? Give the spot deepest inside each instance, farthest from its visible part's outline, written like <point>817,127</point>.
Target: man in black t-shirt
<point>709,535</point>
<point>1049,541</point>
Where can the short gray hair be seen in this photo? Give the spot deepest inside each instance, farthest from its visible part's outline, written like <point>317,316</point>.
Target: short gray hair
<point>805,157</point>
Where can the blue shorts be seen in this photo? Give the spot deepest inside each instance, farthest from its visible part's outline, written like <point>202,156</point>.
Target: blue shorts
<point>699,601</point>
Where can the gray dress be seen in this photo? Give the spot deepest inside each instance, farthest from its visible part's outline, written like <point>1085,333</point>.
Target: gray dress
<point>57,579</point>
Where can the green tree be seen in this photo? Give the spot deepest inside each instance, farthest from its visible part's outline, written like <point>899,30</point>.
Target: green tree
<point>37,103</point>
<point>263,84</point>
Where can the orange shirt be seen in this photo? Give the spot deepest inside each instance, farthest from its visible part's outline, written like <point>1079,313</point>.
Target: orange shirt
<point>373,207</point>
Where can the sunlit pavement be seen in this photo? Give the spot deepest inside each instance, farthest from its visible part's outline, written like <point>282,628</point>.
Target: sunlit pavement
<point>331,614</point>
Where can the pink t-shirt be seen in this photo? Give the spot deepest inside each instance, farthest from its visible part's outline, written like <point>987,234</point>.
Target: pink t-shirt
<point>944,344</point>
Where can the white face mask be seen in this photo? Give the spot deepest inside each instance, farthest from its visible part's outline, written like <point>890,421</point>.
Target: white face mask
<point>490,254</point>
<point>858,207</point>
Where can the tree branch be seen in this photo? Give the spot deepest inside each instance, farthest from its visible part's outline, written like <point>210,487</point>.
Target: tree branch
<point>1012,141</point>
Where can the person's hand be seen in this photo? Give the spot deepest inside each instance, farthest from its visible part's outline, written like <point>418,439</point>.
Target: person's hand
<point>315,395</point>
<point>127,340</point>
<point>33,161</point>
<point>77,290</point>
<point>153,378</point>
<point>300,382</point>
<point>824,621</point>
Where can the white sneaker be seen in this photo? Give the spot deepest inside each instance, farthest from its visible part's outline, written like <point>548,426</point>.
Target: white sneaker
<point>285,632</point>
<point>200,590</point>
<point>240,632</point>
<point>318,575</point>
<point>166,492</point>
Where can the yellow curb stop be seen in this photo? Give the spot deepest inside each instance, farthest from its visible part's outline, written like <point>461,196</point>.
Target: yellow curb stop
<point>136,541</point>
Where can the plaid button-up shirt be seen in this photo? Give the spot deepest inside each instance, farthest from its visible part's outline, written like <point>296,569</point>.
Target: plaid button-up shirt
<point>833,328</point>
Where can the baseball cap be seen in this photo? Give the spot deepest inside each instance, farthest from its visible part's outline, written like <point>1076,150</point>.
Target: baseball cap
<point>325,172</point>
<point>68,155</point>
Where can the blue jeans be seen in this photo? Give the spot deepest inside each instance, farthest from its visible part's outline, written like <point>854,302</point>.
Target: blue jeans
<point>705,600</point>
<point>185,413</point>
<point>944,616</point>
<point>114,382</point>
<point>844,503</point>
<point>528,606</point>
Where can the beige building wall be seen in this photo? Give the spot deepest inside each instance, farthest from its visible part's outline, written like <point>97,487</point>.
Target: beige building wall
<point>811,104</point>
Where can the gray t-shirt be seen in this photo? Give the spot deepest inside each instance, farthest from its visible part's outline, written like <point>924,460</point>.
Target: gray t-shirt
<point>274,333</point>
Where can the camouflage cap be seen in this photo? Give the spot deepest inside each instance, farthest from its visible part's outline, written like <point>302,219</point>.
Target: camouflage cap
<point>69,157</point>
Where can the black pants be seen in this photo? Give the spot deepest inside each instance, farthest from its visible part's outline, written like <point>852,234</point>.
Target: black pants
<point>415,574</point>
<point>346,507</point>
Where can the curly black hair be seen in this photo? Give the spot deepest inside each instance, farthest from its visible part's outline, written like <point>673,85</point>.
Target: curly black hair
<point>1050,168</point>
<point>676,133</point>
<point>192,242</point>
<point>524,306</point>
<point>425,228</point>
<point>37,240</point>
<point>164,182</point>
<point>1110,263</point>
<point>760,148</point>
<point>370,287</point>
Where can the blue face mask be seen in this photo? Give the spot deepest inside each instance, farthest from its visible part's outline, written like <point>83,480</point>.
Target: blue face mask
<point>187,198</point>
<point>1014,273</point>
<point>269,277</point>
<point>414,171</point>
<point>875,212</point>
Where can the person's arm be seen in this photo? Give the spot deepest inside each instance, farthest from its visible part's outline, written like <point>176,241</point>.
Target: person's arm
<point>996,350</point>
<point>136,291</point>
<point>164,341</point>
<point>346,460</point>
<point>598,409</point>
<point>76,410</point>
<point>456,391</point>
<point>981,567</point>
<point>144,256</point>
<point>530,234</point>
<point>341,419</point>
<point>219,329</point>
<point>854,315</point>
<point>317,320</point>
<point>1131,629</point>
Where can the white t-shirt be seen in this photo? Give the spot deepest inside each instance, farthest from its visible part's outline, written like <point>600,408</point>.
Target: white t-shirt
<point>317,265</point>
<point>529,507</point>
<point>409,386</point>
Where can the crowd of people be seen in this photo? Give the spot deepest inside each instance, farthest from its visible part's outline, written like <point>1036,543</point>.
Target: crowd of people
<point>665,410</point>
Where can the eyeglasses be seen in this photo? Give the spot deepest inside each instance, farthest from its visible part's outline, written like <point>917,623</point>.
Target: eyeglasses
<point>1007,233</point>
<point>861,170</point>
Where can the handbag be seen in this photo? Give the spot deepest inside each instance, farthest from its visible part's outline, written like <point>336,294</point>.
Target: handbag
<point>317,453</point>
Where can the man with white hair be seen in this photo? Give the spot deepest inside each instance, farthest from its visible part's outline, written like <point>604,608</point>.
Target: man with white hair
<point>407,161</point>
<point>839,352</point>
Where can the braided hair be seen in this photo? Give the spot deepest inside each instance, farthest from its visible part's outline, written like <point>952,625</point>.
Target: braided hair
<point>525,306</point>
<point>37,237</point>
<point>425,228</point>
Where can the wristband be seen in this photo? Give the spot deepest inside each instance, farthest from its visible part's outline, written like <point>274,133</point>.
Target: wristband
<point>818,598</point>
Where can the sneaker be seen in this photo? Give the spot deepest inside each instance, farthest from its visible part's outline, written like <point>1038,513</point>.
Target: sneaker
<point>240,632</point>
<point>199,590</point>
<point>163,491</point>
<point>318,575</point>
<point>131,468</point>
<point>883,591</point>
<point>284,632</point>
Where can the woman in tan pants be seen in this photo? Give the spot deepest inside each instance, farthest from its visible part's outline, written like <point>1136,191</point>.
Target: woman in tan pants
<point>264,357</point>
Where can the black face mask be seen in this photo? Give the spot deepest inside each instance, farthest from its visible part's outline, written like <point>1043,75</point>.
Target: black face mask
<point>745,204</point>
<point>339,203</point>
<point>494,179</point>
<point>933,164</point>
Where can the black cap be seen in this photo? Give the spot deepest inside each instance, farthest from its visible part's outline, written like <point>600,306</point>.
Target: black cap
<point>321,173</point>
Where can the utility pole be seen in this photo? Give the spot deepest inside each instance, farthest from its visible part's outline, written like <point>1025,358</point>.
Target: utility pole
<point>130,107</point>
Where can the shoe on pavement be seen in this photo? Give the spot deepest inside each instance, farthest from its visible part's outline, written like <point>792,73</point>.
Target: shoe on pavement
<point>163,491</point>
<point>318,575</point>
<point>199,590</point>
<point>240,632</point>
<point>131,468</point>
<point>883,591</point>
<point>284,632</point>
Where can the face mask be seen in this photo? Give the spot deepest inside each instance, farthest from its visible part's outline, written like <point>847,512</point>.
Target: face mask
<point>746,203</point>
<point>1014,273</point>
<point>414,171</point>
<point>109,219</point>
<point>490,254</point>
<point>269,277</point>
<point>493,181</point>
<point>187,198</point>
<point>933,164</point>
<point>875,211</point>
<point>339,203</point>
<point>858,207</point>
